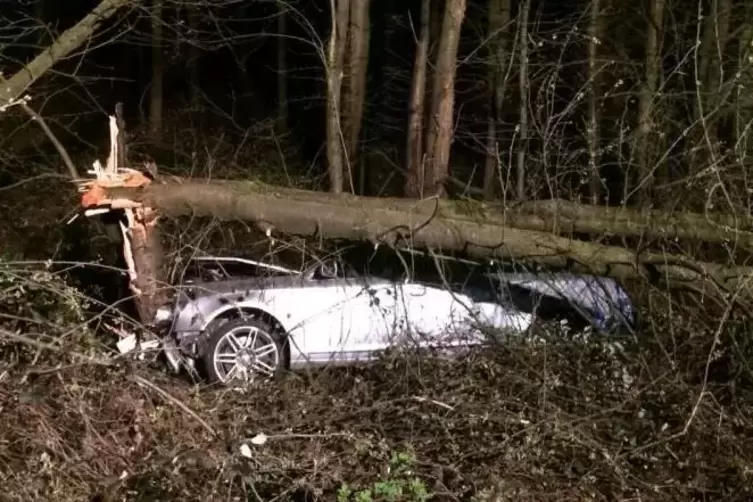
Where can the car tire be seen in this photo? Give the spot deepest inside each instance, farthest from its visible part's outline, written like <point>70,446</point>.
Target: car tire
<point>229,358</point>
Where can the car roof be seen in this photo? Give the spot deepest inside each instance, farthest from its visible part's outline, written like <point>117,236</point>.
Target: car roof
<point>245,261</point>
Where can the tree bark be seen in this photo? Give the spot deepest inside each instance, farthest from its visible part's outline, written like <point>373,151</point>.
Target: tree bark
<point>595,36</point>
<point>524,95</point>
<point>709,98</point>
<point>354,84</point>
<point>443,98</point>
<point>711,56</point>
<point>648,91</point>
<point>499,36</point>
<point>434,223</point>
<point>334,74</point>
<point>148,256</point>
<point>414,152</point>
<point>744,91</point>
<point>68,42</point>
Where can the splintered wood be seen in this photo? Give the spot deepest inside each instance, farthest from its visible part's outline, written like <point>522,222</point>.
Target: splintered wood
<point>139,221</point>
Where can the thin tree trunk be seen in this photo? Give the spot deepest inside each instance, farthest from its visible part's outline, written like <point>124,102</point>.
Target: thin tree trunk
<point>68,42</point>
<point>443,97</point>
<point>354,93</point>
<point>644,150</point>
<point>414,153</point>
<point>436,20</point>
<point>744,98</point>
<point>710,63</point>
<point>595,36</point>
<point>282,69</point>
<point>334,71</point>
<point>499,36</point>
<point>710,73</point>
<point>524,91</point>
<point>158,68</point>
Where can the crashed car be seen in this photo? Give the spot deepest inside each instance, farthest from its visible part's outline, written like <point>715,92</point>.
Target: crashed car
<point>244,320</point>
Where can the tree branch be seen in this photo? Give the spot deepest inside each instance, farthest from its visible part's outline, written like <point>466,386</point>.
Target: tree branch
<point>58,145</point>
<point>68,42</point>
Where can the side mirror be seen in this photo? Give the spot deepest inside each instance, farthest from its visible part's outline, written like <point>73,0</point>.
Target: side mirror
<point>329,269</point>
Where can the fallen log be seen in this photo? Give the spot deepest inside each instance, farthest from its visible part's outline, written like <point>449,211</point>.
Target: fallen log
<point>430,223</point>
<point>559,215</point>
<point>551,216</point>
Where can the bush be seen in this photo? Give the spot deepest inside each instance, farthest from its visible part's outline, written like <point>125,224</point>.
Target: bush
<point>38,304</point>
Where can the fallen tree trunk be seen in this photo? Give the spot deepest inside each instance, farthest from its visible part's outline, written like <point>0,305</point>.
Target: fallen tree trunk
<point>552,216</point>
<point>429,224</point>
<point>559,215</point>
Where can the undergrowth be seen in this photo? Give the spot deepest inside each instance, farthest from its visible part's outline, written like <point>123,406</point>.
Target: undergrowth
<point>550,418</point>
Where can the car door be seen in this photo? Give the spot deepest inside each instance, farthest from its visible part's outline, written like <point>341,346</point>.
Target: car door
<point>431,314</point>
<point>375,314</point>
<point>322,318</point>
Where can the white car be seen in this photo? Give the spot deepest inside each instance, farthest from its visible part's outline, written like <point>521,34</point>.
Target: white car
<point>268,319</point>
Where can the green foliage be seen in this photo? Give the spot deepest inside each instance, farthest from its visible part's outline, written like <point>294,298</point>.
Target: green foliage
<point>400,484</point>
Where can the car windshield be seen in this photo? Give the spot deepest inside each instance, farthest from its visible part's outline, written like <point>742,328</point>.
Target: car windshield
<point>213,269</point>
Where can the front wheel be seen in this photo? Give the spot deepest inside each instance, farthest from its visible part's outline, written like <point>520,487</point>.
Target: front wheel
<point>244,351</point>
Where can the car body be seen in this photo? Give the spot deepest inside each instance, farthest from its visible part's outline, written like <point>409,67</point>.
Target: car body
<point>329,313</point>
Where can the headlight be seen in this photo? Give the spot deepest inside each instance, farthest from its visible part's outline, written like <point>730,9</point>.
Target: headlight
<point>163,314</point>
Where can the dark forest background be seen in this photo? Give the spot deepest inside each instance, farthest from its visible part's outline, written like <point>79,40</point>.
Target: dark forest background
<point>220,79</point>
<point>606,108</point>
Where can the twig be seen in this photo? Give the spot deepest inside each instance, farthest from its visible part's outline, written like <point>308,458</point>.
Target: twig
<point>58,145</point>
<point>48,346</point>
<point>422,399</point>
<point>143,381</point>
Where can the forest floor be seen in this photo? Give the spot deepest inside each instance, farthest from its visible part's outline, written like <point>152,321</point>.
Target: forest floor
<point>530,421</point>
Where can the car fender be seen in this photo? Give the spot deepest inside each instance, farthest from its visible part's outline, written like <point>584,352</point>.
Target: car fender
<point>199,314</point>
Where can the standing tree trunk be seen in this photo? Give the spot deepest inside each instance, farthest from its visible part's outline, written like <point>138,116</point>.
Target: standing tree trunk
<point>523,84</point>
<point>652,69</point>
<point>414,153</point>
<point>499,36</point>
<point>744,98</point>
<point>710,71</point>
<point>354,93</point>
<point>282,69</point>
<point>334,73</point>
<point>158,68</point>
<point>443,98</point>
<point>595,36</point>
